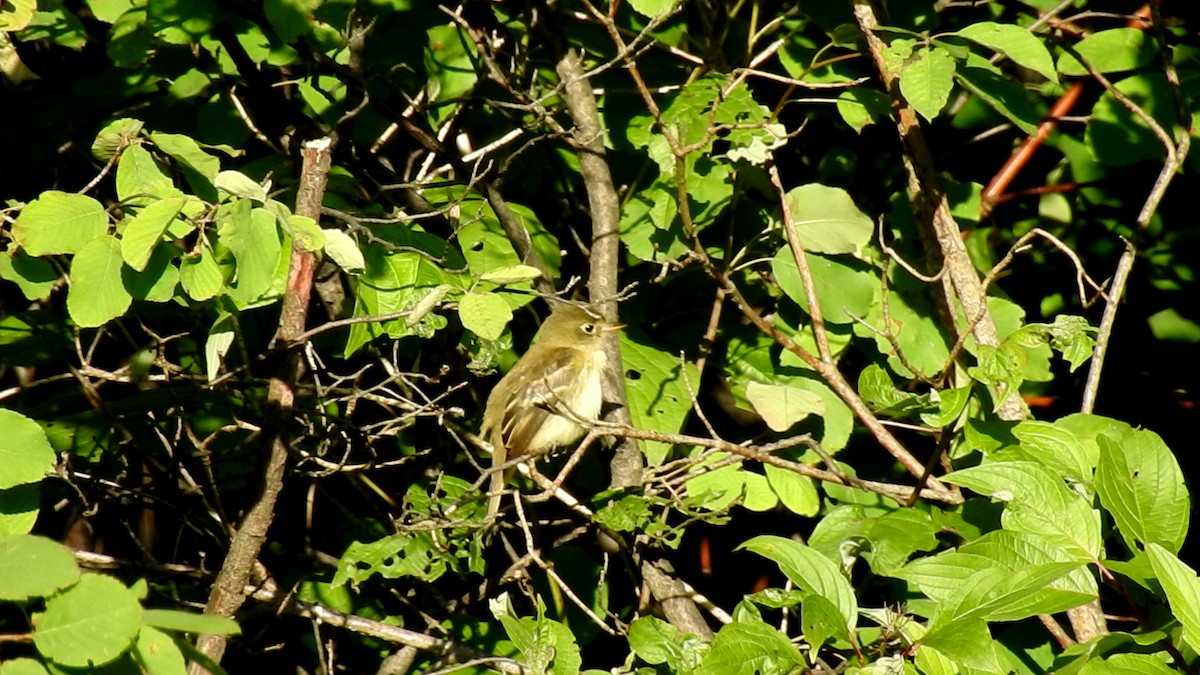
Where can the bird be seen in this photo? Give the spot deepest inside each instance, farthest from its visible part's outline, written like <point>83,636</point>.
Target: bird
<point>546,400</point>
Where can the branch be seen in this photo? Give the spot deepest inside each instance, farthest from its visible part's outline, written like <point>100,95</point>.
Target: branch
<point>605,205</point>
<point>926,195</point>
<point>226,595</point>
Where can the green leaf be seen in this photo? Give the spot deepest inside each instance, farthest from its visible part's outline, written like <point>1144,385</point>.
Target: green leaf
<point>1182,587</point>
<point>926,81</point>
<point>1116,136</point>
<point>59,222</point>
<point>254,238</point>
<point>827,220</point>
<point>240,185</point>
<point>157,282</point>
<point>861,107</point>
<point>146,229</point>
<point>25,454</point>
<point>1171,326</point>
<point>810,571</point>
<point>967,642</point>
<point>157,653</point>
<point>22,666</point>
<point>306,234</point>
<point>1140,483</point>
<point>651,8</point>
<point>344,251</point>
<point>1018,44</point>
<point>216,346</point>
<point>876,388</point>
<point>820,620</point>
<point>797,492</point>
<point>35,277</point>
<point>1110,51</point>
<point>1038,502</point>
<point>1004,95</point>
<point>187,152</point>
<point>190,622</point>
<point>751,647</point>
<point>511,274</point>
<point>140,178</point>
<point>200,275</point>
<point>397,281</point>
<point>97,294</point>
<point>89,624</point>
<point>199,168</point>
<point>885,540</point>
<point>655,641</point>
<point>19,507</point>
<point>782,406</point>
<point>1058,449</point>
<point>17,14</point>
<point>1127,664</point>
<point>402,555</point>
<point>844,290</point>
<point>115,135</point>
<point>449,62</point>
<point>949,404</point>
<point>911,321</point>
<point>33,567</point>
<point>485,314</point>
<point>658,386</point>
<point>291,19</point>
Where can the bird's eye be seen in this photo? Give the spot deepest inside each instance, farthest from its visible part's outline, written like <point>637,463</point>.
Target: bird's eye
<point>588,328</point>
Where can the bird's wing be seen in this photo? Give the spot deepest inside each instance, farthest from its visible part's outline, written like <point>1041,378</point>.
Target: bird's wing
<point>510,430</point>
<point>538,393</point>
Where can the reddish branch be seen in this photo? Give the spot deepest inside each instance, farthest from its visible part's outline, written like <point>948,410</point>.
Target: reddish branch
<point>227,594</point>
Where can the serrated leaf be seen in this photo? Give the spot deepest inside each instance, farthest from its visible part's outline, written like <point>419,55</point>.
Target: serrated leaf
<point>926,81</point>
<point>97,294</point>
<point>1057,448</point>
<point>59,222</point>
<point>1018,44</point>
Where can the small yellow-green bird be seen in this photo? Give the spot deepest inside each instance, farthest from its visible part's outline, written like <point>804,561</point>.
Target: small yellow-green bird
<point>539,404</point>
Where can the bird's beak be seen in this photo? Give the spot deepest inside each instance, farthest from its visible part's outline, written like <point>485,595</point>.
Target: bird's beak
<point>612,327</point>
